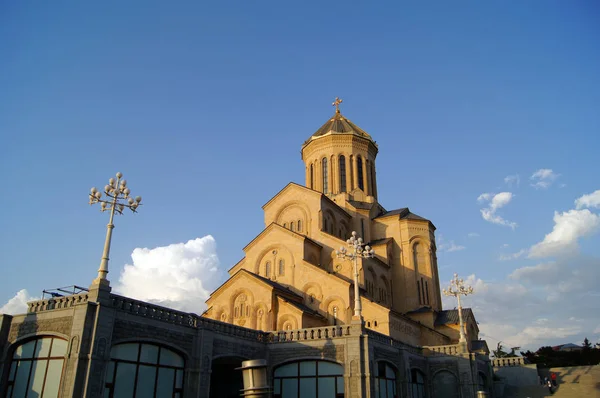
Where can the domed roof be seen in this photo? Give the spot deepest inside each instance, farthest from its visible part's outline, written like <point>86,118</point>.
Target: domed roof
<point>339,124</point>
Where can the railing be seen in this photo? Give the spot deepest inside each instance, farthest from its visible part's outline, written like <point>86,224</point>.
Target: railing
<point>444,349</point>
<point>325,332</point>
<point>56,303</point>
<point>510,361</point>
<point>387,340</point>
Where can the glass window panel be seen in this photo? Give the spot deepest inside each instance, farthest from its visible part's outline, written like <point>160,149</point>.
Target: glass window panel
<point>179,379</point>
<point>110,370</point>
<point>170,358</point>
<point>124,380</point>
<point>164,385</point>
<point>13,370</point>
<point>145,381</point>
<point>55,368</point>
<point>389,372</point>
<point>308,387</point>
<point>289,388</point>
<point>125,351</point>
<point>277,387</point>
<point>329,368</point>
<point>36,381</point>
<point>42,349</point>
<point>107,393</point>
<point>287,370</point>
<point>59,348</point>
<point>308,368</point>
<point>149,353</point>
<point>390,389</point>
<point>382,393</point>
<point>20,386</point>
<point>326,387</point>
<point>9,391</point>
<point>177,395</point>
<point>340,384</point>
<point>25,350</point>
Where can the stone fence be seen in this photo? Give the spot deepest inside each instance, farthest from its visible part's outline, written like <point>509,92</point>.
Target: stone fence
<point>318,333</point>
<point>511,361</point>
<point>56,303</point>
<point>453,349</point>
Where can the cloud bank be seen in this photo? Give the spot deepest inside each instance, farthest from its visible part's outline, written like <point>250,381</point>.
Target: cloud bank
<point>179,276</point>
<point>17,304</point>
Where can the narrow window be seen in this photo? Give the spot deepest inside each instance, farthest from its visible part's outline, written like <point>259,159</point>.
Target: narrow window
<point>419,291</point>
<point>359,177</point>
<point>236,312</point>
<point>268,269</point>
<point>284,225</point>
<point>372,171</point>
<point>292,226</point>
<point>312,177</point>
<point>427,292</point>
<point>342,173</point>
<point>299,226</point>
<point>247,310</point>
<point>325,179</point>
<point>281,267</point>
<point>423,290</point>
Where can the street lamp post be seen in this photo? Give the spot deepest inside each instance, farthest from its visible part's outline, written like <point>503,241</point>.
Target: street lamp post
<point>457,288</point>
<point>115,191</point>
<point>356,250</point>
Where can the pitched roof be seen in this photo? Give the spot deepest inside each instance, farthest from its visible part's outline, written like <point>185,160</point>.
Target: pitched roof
<point>404,213</point>
<point>479,345</point>
<point>360,205</point>
<point>450,317</point>
<point>276,286</point>
<point>338,124</point>
<point>303,308</point>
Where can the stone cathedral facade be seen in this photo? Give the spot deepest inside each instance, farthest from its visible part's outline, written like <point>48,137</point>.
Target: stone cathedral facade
<point>290,302</point>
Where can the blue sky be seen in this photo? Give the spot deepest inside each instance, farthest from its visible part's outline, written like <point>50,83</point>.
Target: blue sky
<point>204,108</point>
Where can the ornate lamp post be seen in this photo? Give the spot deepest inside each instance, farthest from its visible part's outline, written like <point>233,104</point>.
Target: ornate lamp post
<point>356,250</point>
<point>115,191</point>
<point>457,288</point>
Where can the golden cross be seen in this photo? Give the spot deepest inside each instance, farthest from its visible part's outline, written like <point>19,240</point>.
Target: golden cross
<point>337,103</point>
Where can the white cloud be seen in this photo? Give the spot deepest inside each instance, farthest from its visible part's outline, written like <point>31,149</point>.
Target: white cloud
<point>569,226</point>
<point>512,180</point>
<point>543,178</point>
<point>505,245</point>
<point>589,200</point>
<point>473,235</point>
<point>450,247</point>
<point>597,330</point>
<point>495,202</point>
<point>512,256</point>
<point>545,273</point>
<point>17,304</point>
<point>180,276</point>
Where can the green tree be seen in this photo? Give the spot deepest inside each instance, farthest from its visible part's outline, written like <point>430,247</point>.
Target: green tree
<point>499,352</point>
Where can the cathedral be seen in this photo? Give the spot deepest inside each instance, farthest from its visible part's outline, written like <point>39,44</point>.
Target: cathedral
<point>336,297</point>
<point>292,276</point>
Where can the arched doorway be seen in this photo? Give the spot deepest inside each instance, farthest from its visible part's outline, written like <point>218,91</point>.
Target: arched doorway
<point>445,385</point>
<point>225,380</point>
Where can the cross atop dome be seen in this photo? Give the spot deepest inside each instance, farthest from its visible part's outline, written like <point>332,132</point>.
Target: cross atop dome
<point>337,103</point>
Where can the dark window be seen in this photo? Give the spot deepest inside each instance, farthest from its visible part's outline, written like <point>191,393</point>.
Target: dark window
<point>144,370</point>
<point>342,174</point>
<point>292,226</point>
<point>325,179</point>
<point>386,381</point>
<point>36,368</point>
<point>299,226</point>
<point>419,291</point>
<point>359,177</point>
<point>427,292</point>
<point>417,382</point>
<point>481,381</point>
<point>423,290</point>
<point>312,177</point>
<point>372,171</point>
<point>318,379</point>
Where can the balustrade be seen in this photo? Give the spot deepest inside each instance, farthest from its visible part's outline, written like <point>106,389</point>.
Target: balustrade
<point>510,361</point>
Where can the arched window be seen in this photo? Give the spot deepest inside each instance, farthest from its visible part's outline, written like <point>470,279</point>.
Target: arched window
<point>268,269</point>
<point>319,379</point>
<point>419,291</point>
<point>144,370</point>
<point>292,226</point>
<point>281,267</point>
<point>284,225</point>
<point>299,226</point>
<point>36,368</point>
<point>359,170</point>
<point>386,381</point>
<point>417,382</point>
<point>427,292</point>
<point>312,177</point>
<point>342,173</point>
<point>325,177</point>
<point>482,381</point>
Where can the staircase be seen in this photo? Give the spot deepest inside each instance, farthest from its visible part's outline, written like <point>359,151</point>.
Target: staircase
<point>573,382</point>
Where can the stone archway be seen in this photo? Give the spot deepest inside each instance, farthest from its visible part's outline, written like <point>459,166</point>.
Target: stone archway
<point>445,385</point>
<point>225,380</point>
